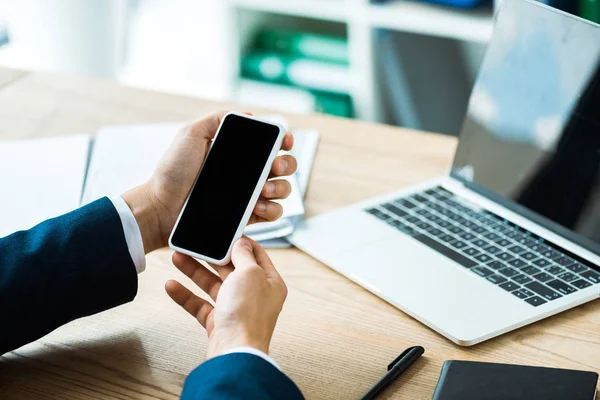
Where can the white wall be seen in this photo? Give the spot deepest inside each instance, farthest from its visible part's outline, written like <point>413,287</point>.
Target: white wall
<point>170,45</point>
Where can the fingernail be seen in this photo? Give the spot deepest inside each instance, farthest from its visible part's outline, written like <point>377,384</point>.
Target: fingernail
<point>270,188</point>
<point>261,207</point>
<point>284,165</point>
<point>245,243</point>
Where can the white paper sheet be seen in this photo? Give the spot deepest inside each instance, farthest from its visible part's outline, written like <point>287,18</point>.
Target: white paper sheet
<point>124,157</point>
<point>40,179</point>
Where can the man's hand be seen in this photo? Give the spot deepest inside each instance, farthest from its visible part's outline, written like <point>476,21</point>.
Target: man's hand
<point>157,203</point>
<point>248,298</point>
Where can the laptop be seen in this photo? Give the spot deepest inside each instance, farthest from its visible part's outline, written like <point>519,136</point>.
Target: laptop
<point>512,234</point>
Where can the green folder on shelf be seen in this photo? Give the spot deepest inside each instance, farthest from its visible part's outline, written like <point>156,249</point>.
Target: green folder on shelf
<point>590,9</point>
<point>303,44</point>
<point>297,71</point>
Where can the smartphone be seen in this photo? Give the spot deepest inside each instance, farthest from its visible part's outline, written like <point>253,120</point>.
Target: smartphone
<point>227,188</point>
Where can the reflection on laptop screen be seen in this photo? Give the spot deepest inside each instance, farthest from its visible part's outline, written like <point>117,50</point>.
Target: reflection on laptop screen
<point>532,133</point>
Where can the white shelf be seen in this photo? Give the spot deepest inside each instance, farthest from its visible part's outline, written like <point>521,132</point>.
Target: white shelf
<point>362,19</point>
<point>401,15</point>
<point>407,16</point>
<point>328,10</point>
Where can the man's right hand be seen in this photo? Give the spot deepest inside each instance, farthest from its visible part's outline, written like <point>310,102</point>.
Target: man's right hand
<point>249,294</point>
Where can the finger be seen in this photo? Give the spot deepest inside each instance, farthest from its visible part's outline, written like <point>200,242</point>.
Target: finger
<point>250,253</point>
<point>194,305</point>
<point>199,274</point>
<point>223,270</point>
<point>206,127</point>
<point>283,166</point>
<point>288,142</point>
<point>276,189</point>
<point>268,210</point>
<point>242,254</point>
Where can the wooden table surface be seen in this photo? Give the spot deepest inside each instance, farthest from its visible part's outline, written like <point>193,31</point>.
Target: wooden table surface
<point>334,339</point>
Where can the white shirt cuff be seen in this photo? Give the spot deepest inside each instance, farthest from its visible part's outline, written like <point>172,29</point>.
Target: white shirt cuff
<point>133,236</point>
<point>256,352</point>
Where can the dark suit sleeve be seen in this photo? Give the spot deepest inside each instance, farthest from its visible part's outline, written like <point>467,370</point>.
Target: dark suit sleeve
<point>65,268</point>
<point>239,376</point>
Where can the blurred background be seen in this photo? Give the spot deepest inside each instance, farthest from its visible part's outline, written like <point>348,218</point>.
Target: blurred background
<point>408,63</point>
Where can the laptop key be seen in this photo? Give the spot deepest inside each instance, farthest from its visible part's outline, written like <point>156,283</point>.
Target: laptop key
<point>497,265</point>
<point>423,225</point>
<point>520,294</point>
<point>435,231</point>
<point>577,268</point>
<point>565,261</point>
<point>447,238</point>
<point>581,284</point>
<point>517,263</point>
<point>405,203</point>
<point>536,301</point>
<point>407,230</point>
<point>524,241</point>
<point>508,272</point>
<point>543,291</point>
<point>459,244</point>
<point>522,279</point>
<point>467,236</point>
<point>543,277</point>
<point>561,287</point>
<point>491,249</point>
<point>484,258</point>
<point>395,210</point>
<point>527,292</point>
<point>516,249</point>
<point>551,254</point>
<point>591,276</point>
<point>529,256</point>
<point>538,247</point>
<point>496,279</point>
<point>480,243</point>
<point>444,223</point>
<point>555,270</point>
<point>446,251</point>
<point>482,271</point>
<point>542,263</point>
<point>509,286</point>
<point>505,256</point>
<point>492,236</point>
<point>412,219</point>
<point>479,229</point>
<point>503,242</point>
<point>568,277</point>
<point>471,251</point>
<point>530,270</point>
<point>456,230</point>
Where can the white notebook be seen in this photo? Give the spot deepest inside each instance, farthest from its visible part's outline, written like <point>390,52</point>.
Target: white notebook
<point>40,179</point>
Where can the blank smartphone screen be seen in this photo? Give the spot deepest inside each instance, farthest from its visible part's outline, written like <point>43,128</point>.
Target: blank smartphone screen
<point>224,187</point>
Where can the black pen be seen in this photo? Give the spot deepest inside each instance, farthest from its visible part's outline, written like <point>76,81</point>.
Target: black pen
<point>395,369</point>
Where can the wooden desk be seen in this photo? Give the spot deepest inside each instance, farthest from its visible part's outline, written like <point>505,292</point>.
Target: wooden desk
<point>333,338</point>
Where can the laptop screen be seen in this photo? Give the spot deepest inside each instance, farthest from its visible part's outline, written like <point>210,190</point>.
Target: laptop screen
<point>531,138</point>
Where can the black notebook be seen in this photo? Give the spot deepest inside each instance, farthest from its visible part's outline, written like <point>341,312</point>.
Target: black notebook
<point>464,380</point>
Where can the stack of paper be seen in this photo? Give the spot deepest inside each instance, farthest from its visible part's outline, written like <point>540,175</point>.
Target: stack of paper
<point>120,158</point>
<point>40,179</point>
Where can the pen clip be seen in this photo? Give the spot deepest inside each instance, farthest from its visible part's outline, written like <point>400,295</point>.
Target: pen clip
<point>402,355</point>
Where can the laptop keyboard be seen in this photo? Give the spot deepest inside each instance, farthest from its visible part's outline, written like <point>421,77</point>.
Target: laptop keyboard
<point>491,247</point>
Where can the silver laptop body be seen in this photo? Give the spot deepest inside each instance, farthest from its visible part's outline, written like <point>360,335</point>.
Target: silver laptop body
<point>512,234</point>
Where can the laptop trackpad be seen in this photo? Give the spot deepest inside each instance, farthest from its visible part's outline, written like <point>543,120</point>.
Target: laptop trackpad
<point>425,284</point>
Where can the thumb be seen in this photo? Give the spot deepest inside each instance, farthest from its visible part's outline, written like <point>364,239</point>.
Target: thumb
<point>242,254</point>
<point>249,253</point>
